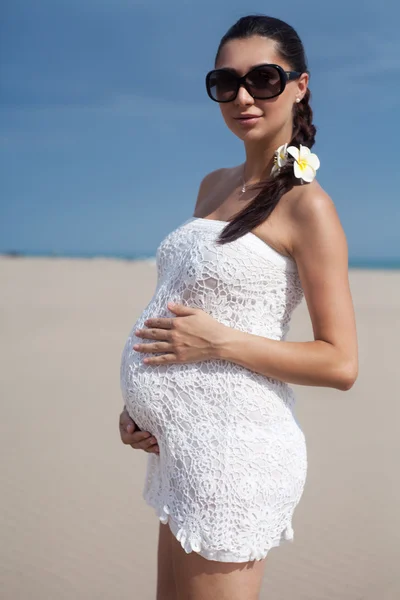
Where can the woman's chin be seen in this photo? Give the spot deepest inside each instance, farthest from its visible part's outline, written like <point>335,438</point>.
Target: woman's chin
<point>251,135</point>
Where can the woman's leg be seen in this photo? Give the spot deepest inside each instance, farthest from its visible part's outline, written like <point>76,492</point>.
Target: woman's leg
<point>200,579</point>
<point>166,588</point>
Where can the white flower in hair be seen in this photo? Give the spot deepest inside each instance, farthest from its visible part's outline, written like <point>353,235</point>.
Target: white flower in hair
<point>280,159</point>
<point>305,163</point>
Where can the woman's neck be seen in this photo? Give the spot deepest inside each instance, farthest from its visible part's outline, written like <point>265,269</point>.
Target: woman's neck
<point>260,158</point>
<point>258,165</point>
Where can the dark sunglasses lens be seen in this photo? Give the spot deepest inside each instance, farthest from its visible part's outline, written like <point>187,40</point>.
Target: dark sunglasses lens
<point>222,86</point>
<point>264,82</point>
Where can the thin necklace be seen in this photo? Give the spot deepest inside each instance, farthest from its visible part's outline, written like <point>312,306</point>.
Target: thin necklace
<point>243,181</point>
<point>244,184</point>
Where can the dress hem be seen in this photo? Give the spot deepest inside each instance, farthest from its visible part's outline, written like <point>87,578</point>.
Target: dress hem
<point>193,543</point>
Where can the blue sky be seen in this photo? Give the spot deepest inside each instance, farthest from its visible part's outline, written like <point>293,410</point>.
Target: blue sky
<point>107,131</point>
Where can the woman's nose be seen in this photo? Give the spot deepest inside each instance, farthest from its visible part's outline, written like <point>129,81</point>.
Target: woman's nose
<point>243,97</point>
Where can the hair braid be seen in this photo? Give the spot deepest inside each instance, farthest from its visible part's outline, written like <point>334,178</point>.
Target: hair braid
<point>303,128</point>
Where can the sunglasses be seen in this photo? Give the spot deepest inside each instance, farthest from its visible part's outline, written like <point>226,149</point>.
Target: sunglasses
<point>262,82</point>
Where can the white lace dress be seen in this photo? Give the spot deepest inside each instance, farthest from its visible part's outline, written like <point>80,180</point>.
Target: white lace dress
<point>233,461</point>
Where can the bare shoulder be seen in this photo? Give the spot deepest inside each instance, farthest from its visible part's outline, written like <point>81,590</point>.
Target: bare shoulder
<point>208,184</point>
<point>310,199</point>
<point>213,176</point>
<point>315,224</point>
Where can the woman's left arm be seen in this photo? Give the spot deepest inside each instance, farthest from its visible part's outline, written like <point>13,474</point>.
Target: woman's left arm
<point>319,247</point>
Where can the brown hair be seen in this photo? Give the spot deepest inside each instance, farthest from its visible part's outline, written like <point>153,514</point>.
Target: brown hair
<point>270,191</point>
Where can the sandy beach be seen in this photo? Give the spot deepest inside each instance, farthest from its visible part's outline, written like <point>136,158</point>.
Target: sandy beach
<point>73,522</point>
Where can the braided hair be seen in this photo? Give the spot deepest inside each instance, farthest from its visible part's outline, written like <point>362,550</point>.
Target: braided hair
<point>271,190</point>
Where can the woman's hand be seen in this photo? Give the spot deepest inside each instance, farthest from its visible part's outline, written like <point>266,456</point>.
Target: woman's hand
<point>191,336</point>
<point>133,436</point>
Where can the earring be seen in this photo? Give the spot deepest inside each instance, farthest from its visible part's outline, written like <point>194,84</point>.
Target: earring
<point>298,100</point>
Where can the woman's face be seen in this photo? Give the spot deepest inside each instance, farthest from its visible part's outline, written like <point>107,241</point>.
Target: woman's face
<point>275,116</point>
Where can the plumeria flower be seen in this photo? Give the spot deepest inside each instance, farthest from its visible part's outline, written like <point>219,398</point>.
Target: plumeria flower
<point>281,155</point>
<point>280,159</point>
<point>305,163</point>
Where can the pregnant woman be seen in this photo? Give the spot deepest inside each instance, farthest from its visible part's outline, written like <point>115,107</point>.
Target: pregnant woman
<point>206,369</point>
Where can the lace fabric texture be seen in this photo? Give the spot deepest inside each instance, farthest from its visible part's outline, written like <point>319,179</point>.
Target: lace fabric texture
<point>233,461</point>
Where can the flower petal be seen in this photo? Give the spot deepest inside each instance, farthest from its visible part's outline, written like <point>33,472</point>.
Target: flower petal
<point>297,171</point>
<point>304,152</point>
<point>293,151</point>
<point>281,161</point>
<point>282,150</point>
<point>308,174</point>
<point>313,161</point>
<point>281,155</point>
<point>275,170</point>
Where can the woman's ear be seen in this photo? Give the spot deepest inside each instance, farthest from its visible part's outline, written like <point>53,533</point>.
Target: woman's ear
<point>302,85</point>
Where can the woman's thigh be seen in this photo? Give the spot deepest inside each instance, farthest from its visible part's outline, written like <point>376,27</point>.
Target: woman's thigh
<point>166,589</point>
<point>197,578</point>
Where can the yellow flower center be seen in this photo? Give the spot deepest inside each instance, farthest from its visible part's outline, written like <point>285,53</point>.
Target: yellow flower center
<point>302,164</point>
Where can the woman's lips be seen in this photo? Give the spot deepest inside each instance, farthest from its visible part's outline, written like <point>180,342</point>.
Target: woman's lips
<point>247,121</point>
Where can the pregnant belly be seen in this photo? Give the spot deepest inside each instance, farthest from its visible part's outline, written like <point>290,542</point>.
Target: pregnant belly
<point>212,394</point>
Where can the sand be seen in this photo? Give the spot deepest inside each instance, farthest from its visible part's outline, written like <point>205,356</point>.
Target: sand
<point>73,522</point>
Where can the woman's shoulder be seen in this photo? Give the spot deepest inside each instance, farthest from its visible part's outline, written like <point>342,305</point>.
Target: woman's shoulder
<point>306,200</point>
<point>219,175</point>
<point>313,216</point>
<point>211,181</point>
